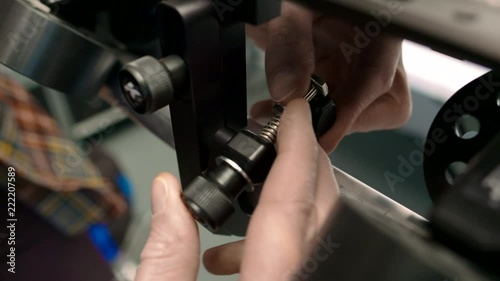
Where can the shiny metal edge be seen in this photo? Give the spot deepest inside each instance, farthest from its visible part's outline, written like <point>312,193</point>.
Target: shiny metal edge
<point>47,50</point>
<point>353,189</point>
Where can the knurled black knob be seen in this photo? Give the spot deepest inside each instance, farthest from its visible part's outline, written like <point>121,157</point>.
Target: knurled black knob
<point>207,203</point>
<point>149,84</point>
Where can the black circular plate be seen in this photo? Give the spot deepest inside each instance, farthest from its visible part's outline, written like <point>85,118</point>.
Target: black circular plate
<point>463,126</point>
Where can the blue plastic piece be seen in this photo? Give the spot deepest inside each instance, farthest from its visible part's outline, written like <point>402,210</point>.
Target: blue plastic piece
<point>101,236</point>
<point>125,186</point>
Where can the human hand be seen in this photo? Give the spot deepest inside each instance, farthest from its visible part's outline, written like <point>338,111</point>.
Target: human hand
<point>172,251</point>
<point>282,231</point>
<point>292,210</point>
<point>368,84</point>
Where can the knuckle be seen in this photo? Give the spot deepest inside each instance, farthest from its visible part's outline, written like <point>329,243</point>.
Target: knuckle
<point>401,95</point>
<point>308,63</point>
<point>403,114</point>
<point>283,35</point>
<point>355,109</point>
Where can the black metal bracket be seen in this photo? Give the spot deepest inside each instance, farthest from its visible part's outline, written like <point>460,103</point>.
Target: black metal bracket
<point>210,37</point>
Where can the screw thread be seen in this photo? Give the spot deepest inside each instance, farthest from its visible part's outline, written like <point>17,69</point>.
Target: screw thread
<point>270,132</point>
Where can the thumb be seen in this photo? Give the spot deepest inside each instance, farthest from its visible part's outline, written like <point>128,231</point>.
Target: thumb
<point>290,53</point>
<point>172,250</point>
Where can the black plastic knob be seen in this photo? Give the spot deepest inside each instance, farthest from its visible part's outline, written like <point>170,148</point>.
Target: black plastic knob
<point>324,114</point>
<point>149,84</point>
<point>209,198</point>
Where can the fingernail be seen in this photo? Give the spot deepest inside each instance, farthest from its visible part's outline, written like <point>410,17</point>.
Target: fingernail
<point>283,84</point>
<point>160,193</point>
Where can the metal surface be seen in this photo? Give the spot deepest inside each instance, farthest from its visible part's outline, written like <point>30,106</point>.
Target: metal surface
<point>370,238</point>
<point>238,169</point>
<point>47,50</point>
<point>463,29</point>
<point>317,86</point>
<point>354,191</point>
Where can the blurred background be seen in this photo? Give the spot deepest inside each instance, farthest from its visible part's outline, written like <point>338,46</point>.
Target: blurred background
<point>433,77</point>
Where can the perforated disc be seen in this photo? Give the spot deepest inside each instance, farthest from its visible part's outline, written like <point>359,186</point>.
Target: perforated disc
<point>463,126</point>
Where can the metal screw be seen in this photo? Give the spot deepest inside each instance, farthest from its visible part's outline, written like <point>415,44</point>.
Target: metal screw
<point>270,131</point>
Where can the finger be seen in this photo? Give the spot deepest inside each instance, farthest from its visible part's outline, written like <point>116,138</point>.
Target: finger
<point>284,220</point>
<point>289,53</point>
<point>297,155</point>
<point>391,110</point>
<point>172,249</point>
<point>328,191</point>
<point>373,76</point>
<point>262,111</point>
<point>258,34</point>
<point>224,259</point>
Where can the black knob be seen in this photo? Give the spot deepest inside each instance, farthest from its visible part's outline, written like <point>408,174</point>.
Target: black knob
<point>149,84</point>
<point>209,198</point>
<point>324,114</point>
<point>244,163</point>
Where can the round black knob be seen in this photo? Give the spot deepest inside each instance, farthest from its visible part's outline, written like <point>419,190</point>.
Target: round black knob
<point>149,84</point>
<point>210,198</point>
<point>207,203</point>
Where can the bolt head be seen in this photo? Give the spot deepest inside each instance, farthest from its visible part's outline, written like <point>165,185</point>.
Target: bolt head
<point>133,92</point>
<point>320,85</point>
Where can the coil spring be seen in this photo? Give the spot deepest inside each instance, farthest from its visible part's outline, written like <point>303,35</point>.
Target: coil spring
<point>270,131</point>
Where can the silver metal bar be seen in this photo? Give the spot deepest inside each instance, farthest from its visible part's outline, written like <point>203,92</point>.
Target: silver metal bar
<point>353,189</point>
<point>371,237</point>
<point>43,48</point>
<point>459,28</point>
